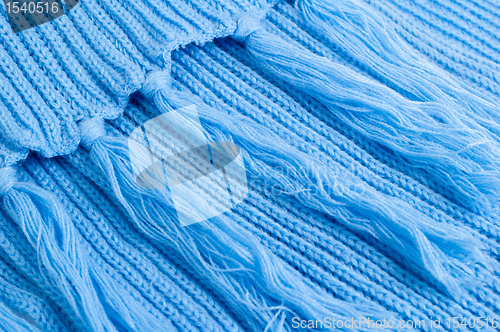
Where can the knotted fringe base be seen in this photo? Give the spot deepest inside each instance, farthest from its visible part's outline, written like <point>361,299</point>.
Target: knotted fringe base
<point>427,119</point>
<point>256,284</point>
<point>441,138</point>
<point>93,298</point>
<point>439,252</point>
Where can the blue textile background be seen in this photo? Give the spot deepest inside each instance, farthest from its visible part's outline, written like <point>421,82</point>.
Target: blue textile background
<point>370,134</point>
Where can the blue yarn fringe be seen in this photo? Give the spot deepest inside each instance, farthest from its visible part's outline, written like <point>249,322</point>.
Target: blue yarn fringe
<point>259,287</point>
<point>97,300</point>
<point>437,251</point>
<point>446,132</point>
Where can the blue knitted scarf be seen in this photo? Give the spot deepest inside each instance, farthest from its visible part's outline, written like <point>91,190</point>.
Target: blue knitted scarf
<point>250,165</point>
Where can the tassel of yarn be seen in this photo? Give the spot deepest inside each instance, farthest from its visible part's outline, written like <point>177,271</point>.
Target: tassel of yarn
<point>255,283</point>
<point>46,225</point>
<point>366,39</point>
<point>44,221</point>
<point>437,251</point>
<point>460,156</point>
<point>153,207</point>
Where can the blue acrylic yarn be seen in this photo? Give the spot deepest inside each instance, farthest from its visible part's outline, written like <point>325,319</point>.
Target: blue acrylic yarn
<point>371,155</point>
<point>423,130</point>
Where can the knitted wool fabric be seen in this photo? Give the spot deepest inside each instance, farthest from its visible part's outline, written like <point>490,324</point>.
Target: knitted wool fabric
<point>370,133</point>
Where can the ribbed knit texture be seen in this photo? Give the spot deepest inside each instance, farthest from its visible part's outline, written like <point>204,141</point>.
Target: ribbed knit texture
<point>88,62</point>
<point>391,104</point>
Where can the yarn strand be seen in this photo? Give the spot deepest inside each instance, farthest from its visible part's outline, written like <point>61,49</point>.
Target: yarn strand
<point>257,285</point>
<point>436,136</point>
<point>438,251</point>
<point>47,226</point>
